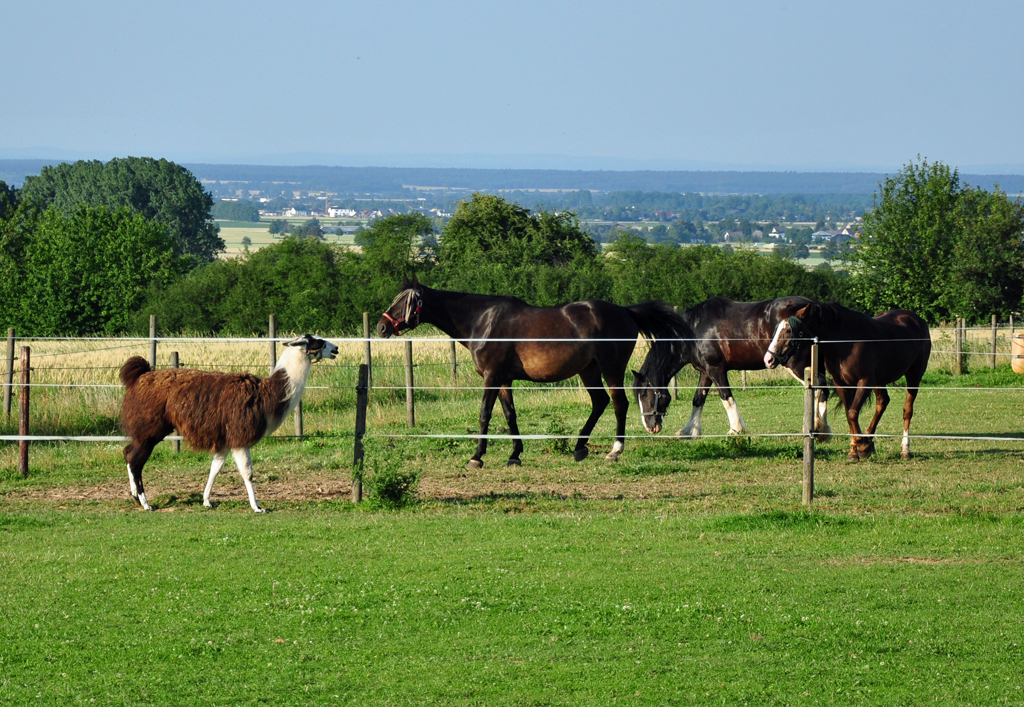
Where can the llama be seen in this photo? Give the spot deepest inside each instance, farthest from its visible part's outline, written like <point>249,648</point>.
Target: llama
<point>212,410</point>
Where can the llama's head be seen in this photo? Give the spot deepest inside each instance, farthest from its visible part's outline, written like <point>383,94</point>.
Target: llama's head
<point>314,347</point>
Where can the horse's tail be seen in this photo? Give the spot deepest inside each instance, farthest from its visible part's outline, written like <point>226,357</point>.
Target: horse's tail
<point>672,338</point>
<point>133,369</point>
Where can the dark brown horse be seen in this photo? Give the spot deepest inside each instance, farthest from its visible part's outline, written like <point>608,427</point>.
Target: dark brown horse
<point>511,340</point>
<point>862,354</point>
<point>731,336</point>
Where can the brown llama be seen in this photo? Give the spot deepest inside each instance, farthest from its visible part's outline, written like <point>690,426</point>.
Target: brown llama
<point>211,410</point>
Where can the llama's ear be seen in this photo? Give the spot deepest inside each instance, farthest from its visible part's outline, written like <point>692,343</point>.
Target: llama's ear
<point>299,341</point>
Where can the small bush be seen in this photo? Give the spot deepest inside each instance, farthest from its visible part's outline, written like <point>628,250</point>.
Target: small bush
<point>389,484</point>
<point>556,426</point>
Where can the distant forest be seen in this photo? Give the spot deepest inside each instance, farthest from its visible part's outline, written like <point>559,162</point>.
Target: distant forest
<point>388,182</point>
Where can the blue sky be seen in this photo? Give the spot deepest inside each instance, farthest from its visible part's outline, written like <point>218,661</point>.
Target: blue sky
<point>792,85</point>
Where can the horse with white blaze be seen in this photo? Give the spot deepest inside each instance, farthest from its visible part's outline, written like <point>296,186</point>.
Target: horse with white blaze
<point>212,410</point>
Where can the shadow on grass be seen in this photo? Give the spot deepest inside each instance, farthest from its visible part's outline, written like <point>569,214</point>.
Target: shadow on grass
<point>784,520</point>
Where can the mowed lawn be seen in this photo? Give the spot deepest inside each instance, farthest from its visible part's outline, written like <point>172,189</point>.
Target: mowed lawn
<point>686,573</point>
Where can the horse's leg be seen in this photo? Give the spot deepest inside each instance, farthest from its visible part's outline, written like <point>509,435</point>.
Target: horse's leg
<point>620,404</point>
<point>591,377</point>
<point>857,398</point>
<point>508,406</point>
<point>821,426</point>
<point>692,426</point>
<point>135,456</point>
<point>913,383</point>
<point>491,389</point>
<point>881,403</point>
<point>736,424</point>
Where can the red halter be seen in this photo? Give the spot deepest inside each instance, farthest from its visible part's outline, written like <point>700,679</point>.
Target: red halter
<point>411,313</point>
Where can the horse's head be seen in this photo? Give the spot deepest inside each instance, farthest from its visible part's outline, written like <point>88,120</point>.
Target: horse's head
<point>653,400</point>
<point>791,334</point>
<point>404,312</point>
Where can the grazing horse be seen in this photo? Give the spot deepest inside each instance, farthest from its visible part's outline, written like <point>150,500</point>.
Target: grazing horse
<point>862,354</point>
<point>731,336</point>
<point>511,340</point>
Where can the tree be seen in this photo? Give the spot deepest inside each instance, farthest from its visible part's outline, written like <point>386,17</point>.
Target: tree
<point>236,211</point>
<point>159,190</point>
<point>8,200</point>
<point>392,247</point>
<point>279,225</point>
<point>86,273</point>
<point>496,247</point>
<point>940,248</point>
<point>309,229</point>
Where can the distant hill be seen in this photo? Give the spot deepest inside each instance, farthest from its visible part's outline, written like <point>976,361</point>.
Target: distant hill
<point>392,181</point>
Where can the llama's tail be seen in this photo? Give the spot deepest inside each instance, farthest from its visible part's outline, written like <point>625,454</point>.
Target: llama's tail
<point>673,339</point>
<point>132,369</point>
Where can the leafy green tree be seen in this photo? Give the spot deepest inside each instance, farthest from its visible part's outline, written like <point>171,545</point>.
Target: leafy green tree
<point>307,284</point>
<point>496,247</point>
<point>940,248</point>
<point>236,211</point>
<point>309,229</point>
<point>159,190</point>
<point>8,200</point>
<point>86,273</point>
<point>392,247</point>
<point>279,226</point>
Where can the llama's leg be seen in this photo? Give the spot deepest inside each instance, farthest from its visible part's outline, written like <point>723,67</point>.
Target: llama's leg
<point>218,463</point>
<point>244,463</point>
<point>136,455</point>
<point>692,426</point>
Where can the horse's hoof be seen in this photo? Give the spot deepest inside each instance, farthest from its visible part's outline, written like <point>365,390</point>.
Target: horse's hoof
<point>852,457</point>
<point>611,457</point>
<point>824,436</point>
<point>474,464</point>
<point>513,462</point>
<point>581,454</point>
<point>692,434</point>
<point>865,453</point>
<point>906,455</point>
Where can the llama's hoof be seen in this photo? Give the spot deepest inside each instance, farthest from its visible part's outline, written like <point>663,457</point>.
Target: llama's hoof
<point>513,462</point>
<point>580,453</point>
<point>259,510</point>
<point>474,464</point>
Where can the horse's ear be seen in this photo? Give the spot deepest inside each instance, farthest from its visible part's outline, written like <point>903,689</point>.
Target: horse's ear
<point>405,282</point>
<point>636,376</point>
<point>415,282</point>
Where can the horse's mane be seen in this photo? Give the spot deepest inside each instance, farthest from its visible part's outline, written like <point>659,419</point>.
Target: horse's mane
<point>711,308</point>
<point>672,339</point>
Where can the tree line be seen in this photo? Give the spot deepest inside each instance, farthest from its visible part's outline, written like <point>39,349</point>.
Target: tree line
<point>95,248</point>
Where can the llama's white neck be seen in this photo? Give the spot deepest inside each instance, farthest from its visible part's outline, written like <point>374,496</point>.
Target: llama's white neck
<point>296,365</point>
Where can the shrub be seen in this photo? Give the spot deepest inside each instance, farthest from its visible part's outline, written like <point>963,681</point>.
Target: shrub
<point>389,484</point>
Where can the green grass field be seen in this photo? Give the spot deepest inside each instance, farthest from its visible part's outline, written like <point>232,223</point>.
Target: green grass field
<point>686,573</point>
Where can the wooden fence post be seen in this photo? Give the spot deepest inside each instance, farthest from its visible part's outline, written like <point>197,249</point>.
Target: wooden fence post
<point>410,404</point>
<point>175,443</point>
<point>152,340</point>
<point>366,356</point>
<point>958,348</point>
<point>455,362</point>
<point>808,484</point>
<point>357,450</point>
<point>272,329</point>
<point>995,331</point>
<point>26,369</point>
<point>9,374</point>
